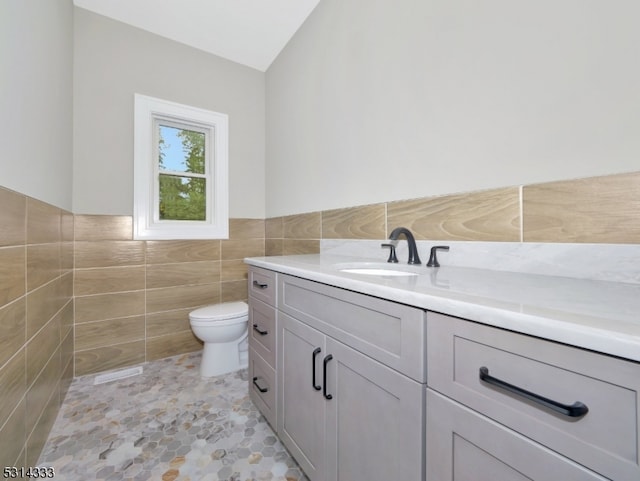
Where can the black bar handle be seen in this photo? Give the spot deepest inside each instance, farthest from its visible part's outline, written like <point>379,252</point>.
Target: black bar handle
<point>259,285</point>
<point>316,351</point>
<point>326,360</point>
<point>260,331</point>
<point>260,388</point>
<point>575,410</point>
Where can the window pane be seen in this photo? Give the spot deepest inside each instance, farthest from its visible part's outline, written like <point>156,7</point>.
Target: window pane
<point>182,198</point>
<point>181,150</point>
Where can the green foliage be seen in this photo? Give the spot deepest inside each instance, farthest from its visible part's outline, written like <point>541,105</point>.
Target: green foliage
<point>184,197</point>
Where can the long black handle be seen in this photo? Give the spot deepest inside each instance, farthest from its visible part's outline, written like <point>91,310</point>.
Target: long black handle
<point>326,360</point>
<point>575,410</point>
<point>260,285</point>
<point>260,331</point>
<point>260,388</point>
<point>316,351</point>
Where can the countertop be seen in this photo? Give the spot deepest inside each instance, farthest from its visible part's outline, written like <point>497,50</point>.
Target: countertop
<point>598,315</point>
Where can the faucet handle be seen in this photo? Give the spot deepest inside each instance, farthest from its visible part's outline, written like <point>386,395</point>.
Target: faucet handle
<point>433,258</point>
<point>392,251</point>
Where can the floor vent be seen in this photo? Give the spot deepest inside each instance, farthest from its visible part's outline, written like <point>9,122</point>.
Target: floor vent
<point>117,375</point>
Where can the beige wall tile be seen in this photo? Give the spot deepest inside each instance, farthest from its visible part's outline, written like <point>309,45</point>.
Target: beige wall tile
<point>246,229</point>
<point>233,291</point>
<point>12,328</point>
<point>40,392</point>
<point>43,222</point>
<point>41,347</point>
<point>274,247</point>
<point>103,227</point>
<point>108,279</point>
<point>43,264</point>
<point>66,256</point>
<point>168,322</point>
<point>13,437</point>
<point>13,384</point>
<point>593,210</point>
<point>294,247</point>
<point>109,254</point>
<point>67,226</point>
<point>13,218</point>
<point>90,335</point>
<point>170,298</point>
<point>162,252</point>
<point>239,249</point>
<point>366,222</point>
<point>182,274</point>
<point>109,306</point>
<point>233,271</point>
<point>12,273</point>
<point>172,345</point>
<point>38,437</point>
<point>111,357</point>
<point>302,226</point>
<point>42,304</point>
<point>274,228</point>
<point>492,215</point>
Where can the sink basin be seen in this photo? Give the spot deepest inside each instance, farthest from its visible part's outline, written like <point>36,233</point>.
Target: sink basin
<point>370,271</point>
<point>380,269</point>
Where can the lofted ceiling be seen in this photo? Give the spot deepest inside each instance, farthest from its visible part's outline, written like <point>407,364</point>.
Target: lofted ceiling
<point>250,32</point>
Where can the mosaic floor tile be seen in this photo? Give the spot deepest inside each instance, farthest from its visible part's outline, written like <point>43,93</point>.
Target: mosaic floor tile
<point>167,424</point>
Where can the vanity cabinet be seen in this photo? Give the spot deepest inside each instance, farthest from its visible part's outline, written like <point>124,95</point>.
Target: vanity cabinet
<point>342,413</point>
<point>519,407</point>
<point>262,332</point>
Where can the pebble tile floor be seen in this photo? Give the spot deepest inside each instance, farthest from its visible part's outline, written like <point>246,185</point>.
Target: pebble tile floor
<point>167,424</point>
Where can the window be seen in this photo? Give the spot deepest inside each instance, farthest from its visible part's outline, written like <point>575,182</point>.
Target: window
<point>180,171</point>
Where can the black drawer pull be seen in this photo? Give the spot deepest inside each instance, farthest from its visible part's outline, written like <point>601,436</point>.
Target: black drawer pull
<point>260,388</point>
<point>259,285</point>
<point>316,351</point>
<point>324,377</point>
<point>575,410</point>
<point>260,331</point>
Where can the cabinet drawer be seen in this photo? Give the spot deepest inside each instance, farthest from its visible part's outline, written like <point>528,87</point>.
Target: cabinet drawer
<point>605,439</point>
<point>462,445</point>
<point>262,330</point>
<point>262,285</point>
<point>262,387</point>
<point>391,333</point>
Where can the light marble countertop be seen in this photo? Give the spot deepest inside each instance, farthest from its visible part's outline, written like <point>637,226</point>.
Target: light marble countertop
<point>599,315</point>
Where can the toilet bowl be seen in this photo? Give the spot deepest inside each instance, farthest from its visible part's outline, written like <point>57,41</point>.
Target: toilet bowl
<point>223,329</point>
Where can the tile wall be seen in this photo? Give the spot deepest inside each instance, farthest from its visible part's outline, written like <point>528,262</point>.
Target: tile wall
<point>133,298</point>
<point>592,210</point>
<point>36,323</point>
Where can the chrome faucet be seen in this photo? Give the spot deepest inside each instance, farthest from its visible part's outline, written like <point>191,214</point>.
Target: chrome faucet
<point>414,258</point>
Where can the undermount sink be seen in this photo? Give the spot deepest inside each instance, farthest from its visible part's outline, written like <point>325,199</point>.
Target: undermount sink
<point>378,272</point>
<point>375,269</point>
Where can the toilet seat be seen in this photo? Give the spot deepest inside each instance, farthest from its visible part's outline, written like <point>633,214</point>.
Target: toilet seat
<point>220,314</point>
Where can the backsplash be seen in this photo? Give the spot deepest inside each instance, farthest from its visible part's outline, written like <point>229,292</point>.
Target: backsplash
<point>36,323</point>
<point>596,210</point>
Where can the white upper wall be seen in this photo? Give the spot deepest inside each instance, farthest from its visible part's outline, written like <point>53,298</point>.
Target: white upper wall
<point>375,101</point>
<point>36,99</point>
<point>112,61</point>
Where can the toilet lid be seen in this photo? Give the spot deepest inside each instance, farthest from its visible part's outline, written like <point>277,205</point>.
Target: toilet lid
<point>218,312</point>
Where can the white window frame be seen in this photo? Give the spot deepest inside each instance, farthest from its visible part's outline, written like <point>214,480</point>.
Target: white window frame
<point>146,222</point>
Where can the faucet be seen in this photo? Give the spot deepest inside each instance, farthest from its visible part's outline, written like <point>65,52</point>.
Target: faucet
<point>414,258</point>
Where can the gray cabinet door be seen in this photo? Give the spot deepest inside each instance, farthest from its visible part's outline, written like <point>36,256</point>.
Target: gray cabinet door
<point>463,445</point>
<point>375,420</point>
<point>302,407</point>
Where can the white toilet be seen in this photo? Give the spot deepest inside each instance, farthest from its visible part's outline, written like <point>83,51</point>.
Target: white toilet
<point>223,329</point>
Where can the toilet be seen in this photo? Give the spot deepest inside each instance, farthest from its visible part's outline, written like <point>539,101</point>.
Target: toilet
<point>223,329</point>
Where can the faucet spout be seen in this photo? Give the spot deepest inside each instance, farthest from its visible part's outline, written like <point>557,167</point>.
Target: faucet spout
<point>414,258</point>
